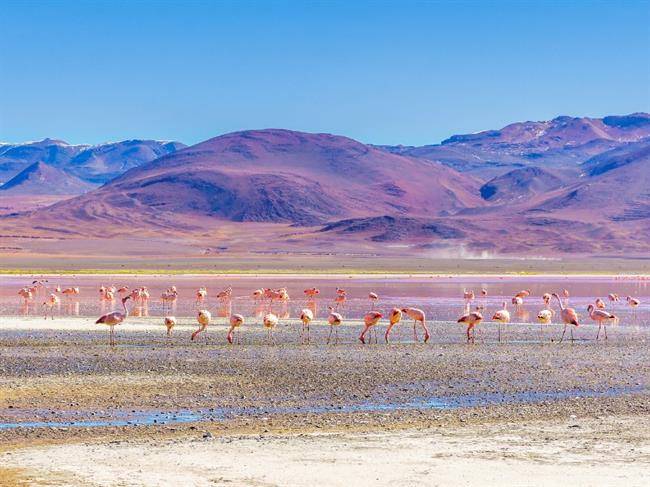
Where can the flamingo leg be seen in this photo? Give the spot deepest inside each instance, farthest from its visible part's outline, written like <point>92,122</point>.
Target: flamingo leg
<point>605,329</point>
<point>336,335</point>
<point>598,334</point>
<point>329,337</point>
<point>499,332</point>
<point>571,336</point>
<point>426,332</point>
<point>563,332</point>
<point>415,332</point>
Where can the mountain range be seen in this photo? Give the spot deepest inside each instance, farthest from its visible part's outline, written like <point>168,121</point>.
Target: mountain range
<point>567,186</point>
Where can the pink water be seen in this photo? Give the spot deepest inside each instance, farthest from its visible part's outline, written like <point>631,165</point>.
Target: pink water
<point>441,298</point>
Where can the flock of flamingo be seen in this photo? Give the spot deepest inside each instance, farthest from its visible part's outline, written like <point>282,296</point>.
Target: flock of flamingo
<point>568,316</point>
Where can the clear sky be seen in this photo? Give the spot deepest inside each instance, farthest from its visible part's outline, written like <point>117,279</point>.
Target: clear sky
<point>380,72</point>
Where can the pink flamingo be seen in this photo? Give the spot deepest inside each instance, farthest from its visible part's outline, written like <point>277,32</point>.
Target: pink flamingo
<point>170,323</point>
<point>311,293</point>
<point>394,317</point>
<point>236,321</point>
<point>502,316</point>
<point>471,320</point>
<point>373,297</point>
<point>370,319</point>
<point>50,303</point>
<point>601,317</point>
<point>306,316</point>
<point>270,321</point>
<point>113,319</point>
<point>417,315</point>
<point>204,317</point>
<point>334,319</point>
<point>569,317</point>
<point>634,304</point>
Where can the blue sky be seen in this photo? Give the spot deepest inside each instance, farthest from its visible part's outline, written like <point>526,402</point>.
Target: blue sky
<point>380,72</point>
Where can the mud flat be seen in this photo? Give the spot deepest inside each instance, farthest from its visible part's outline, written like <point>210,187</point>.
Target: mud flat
<point>154,411</point>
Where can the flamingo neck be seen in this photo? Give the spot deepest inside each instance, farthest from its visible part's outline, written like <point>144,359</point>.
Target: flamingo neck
<point>560,301</point>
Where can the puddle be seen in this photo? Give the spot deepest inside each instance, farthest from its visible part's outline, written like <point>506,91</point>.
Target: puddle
<point>115,419</point>
<point>121,418</point>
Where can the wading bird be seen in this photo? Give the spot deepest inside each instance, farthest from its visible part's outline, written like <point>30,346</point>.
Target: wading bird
<point>394,317</point>
<point>502,316</point>
<point>113,319</point>
<point>569,317</point>
<point>373,297</point>
<point>170,323</point>
<point>203,317</point>
<point>601,317</point>
<point>236,321</point>
<point>50,303</point>
<point>306,315</point>
<point>417,315</point>
<point>270,321</point>
<point>468,295</point>
<point>471,319</point>
<point>311,293</point>
<point>334,319</point>
<point>201,294</point>
<point>370,319</point>
<point>600,304</point>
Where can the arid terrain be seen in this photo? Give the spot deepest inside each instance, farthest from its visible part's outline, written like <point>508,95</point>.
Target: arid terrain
<point>568,187</point>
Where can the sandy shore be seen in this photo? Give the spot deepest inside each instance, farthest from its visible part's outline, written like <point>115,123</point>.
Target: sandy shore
<point>611,450</point>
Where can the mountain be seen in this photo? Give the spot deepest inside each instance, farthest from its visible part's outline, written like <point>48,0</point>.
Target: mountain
<point>277,176</point>
<point>615,186</point>
<point>561,144</point>
<point>95,164</point>
<point>519,184</point>
<point>99,164</point>
<point>40,179</point>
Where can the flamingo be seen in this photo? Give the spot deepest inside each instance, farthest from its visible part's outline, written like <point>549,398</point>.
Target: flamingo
<point>270,321</point>
<point>373,297</point>
<point>50,303</point>
<point>394,317</point>
<point>546,297</point>
<point>236,321</point>
<point>334,319</point>
<point>544,317</point>
<point>201,294</point>
<point>123,291</point>
<point>204,317</point>
<point>416,314</point>
<point>113,319</point>
<point>370,319</point>
<point>569,317</point>
<point>26,294</point>
<point>339,300</point>
<point>502,316</point>
<point>613,297</point>
<point>311,293</point>
<point>109,296</point>
<point>258,294</point>
<point>170,322</point>
<point>70,292</point>
<point>306,315</point>
<point>471,320</point>
<point>524,293</point>
<point>468,295</point>
<point>517,301</point>
<point>225,295</point>
<point>102,292</point>
<point>601,317</point>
